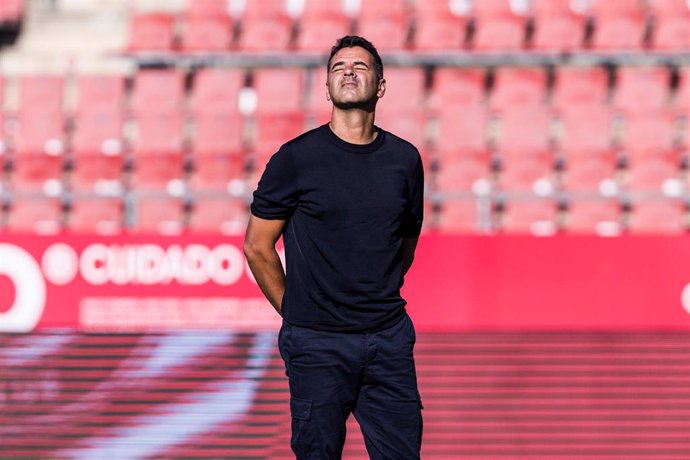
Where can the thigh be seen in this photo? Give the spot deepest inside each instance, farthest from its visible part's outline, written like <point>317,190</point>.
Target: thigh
<point>389,406</point>
<point>322,381</point>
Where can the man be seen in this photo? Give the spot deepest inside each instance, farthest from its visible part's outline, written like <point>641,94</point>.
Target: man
<point>347,197</point>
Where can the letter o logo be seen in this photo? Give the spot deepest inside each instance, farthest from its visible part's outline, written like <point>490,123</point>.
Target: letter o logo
<point>30,289</point>
<point>685,298</point>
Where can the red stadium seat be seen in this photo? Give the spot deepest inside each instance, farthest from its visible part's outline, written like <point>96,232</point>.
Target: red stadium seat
<point>151,32</point>
<point>518,87</point>
<point>218,134</point>
<point>206,8</point>
<point>530,172</point>
<point>465,174</point>
<point>319,107</point>
<point>641,89</point>
<point>386,23</point>
<point>321,23</point>
<point>594,173</point>
<point>410,125</point>
<point>659,173</point>
<point>11,10</point>
<point>438,27</point>
<point>618,25</point>
<point>272,131</point>
<point>671,26</point>
<point>457,87</point>
<point>593,216</point>
<point>219,215</point>
<point>579,87</point>
<point>39,135</point>
<point>41,216</point>
<point>648,132</point>
<point>586,130</point>
<point>97,140</point>
<point>461,216</point>
<point>462,130</point>
<point>498,26</point>
<point>217,171</point>
<point>524,130</point>
<point>216,90</point>
<point>658,217</point>
<point>536,217</point>
<point>265,26</point>
<point>557,26</point>
<point>207,34</point>
<point>158,215</point>
<point>102,216</point>
<point>279,90</point>
<point>157,149</point>
<point>405,88</point>
<point>157,91</point>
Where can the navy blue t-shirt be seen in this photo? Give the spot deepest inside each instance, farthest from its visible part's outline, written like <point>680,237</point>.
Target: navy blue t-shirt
<point>348,208</point>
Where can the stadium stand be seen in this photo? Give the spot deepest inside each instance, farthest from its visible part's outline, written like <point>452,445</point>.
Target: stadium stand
<point>386,22</point>
<point>265,26</point>
<point>618,25</point>
<point>499,25</point>
<point>556,26</point>
<point>439,25</point>
<point>671,24</point>
<point>320,23</point>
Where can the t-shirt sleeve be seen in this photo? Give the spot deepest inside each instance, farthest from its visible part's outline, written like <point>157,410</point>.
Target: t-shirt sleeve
<point>277,192</point>
<point>412,225</point>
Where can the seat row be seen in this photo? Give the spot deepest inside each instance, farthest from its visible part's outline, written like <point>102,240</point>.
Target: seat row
<point>481,25</point>
<point>11,11</point>
<point>141,213</point>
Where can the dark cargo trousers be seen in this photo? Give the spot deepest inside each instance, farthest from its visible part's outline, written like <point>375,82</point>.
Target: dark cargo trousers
<point>371,375</point>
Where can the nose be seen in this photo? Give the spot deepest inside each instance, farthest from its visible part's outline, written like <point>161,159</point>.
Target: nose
<point>349,71</point>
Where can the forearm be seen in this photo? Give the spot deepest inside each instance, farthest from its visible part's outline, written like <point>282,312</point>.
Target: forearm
<point>268,272</point>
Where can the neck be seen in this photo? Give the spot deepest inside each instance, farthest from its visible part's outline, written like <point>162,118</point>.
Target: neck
<point>354,126</point>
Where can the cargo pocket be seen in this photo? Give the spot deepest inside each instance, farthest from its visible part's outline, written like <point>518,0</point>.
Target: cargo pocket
<point>300,410</point>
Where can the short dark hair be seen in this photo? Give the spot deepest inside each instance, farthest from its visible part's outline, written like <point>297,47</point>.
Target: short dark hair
<point>350,41</point>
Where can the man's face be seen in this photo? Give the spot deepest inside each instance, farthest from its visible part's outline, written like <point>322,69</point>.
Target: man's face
<point>352,81</point>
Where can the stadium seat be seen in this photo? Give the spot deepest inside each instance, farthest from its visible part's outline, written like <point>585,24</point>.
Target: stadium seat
<point>279,90</point>
<point>557,27</point>
<point>671,26</point>
<point>537,217</point>
<point>660,174</point>
<point>265,26</point>
<point>464,175</point>
<point>217,171</point>
<point>206,8</point>
<point>595,216</point>
<point>37,215</point>
<point>102,216</point>
<point>158,215</point>
<point>618,25</point>
<point>438,26</point>
<point>218,133</point>
<point>151,32</point>
<point>579,87</point>
<point>585,130</point>
<point>648,132</point>
<point>321,23</point>
<point>219,215</point>
<point>216,90</point>
<point>319,108</point>
<point>518,87</point>
<point>157,91</point>
<point>658,217</point>
<point>530,172</point>
<point>457,216</point>
<point>272,131</point>
<point>39,135</point>
<point>401,110</point>
<point>641,89</point>
<point>409,125</point>
<point>206,34</point>
<point>157,149</point>
<point>456,87</point>
<point>462,130</point>
<point>523,129</point>
<point>498,25</point>
<point>385,23</point>
<point>592,173</point>
<point>97,139</point>
<point>11,11</point>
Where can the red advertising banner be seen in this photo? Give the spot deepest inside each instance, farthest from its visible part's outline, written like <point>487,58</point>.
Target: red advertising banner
<point>136,283</point>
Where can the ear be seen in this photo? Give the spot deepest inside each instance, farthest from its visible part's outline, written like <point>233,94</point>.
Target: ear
<point>382,88</point>
<point>328,92</point>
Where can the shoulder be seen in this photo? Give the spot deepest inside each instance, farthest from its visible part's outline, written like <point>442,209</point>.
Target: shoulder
<point>407,150</point>
<point>307,138</point>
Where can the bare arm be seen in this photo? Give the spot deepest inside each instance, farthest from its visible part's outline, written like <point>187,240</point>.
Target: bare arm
<point>260,251</point>
<point>408,247</point>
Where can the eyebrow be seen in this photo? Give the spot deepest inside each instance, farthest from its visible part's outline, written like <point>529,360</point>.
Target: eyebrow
<point>335,64</point>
